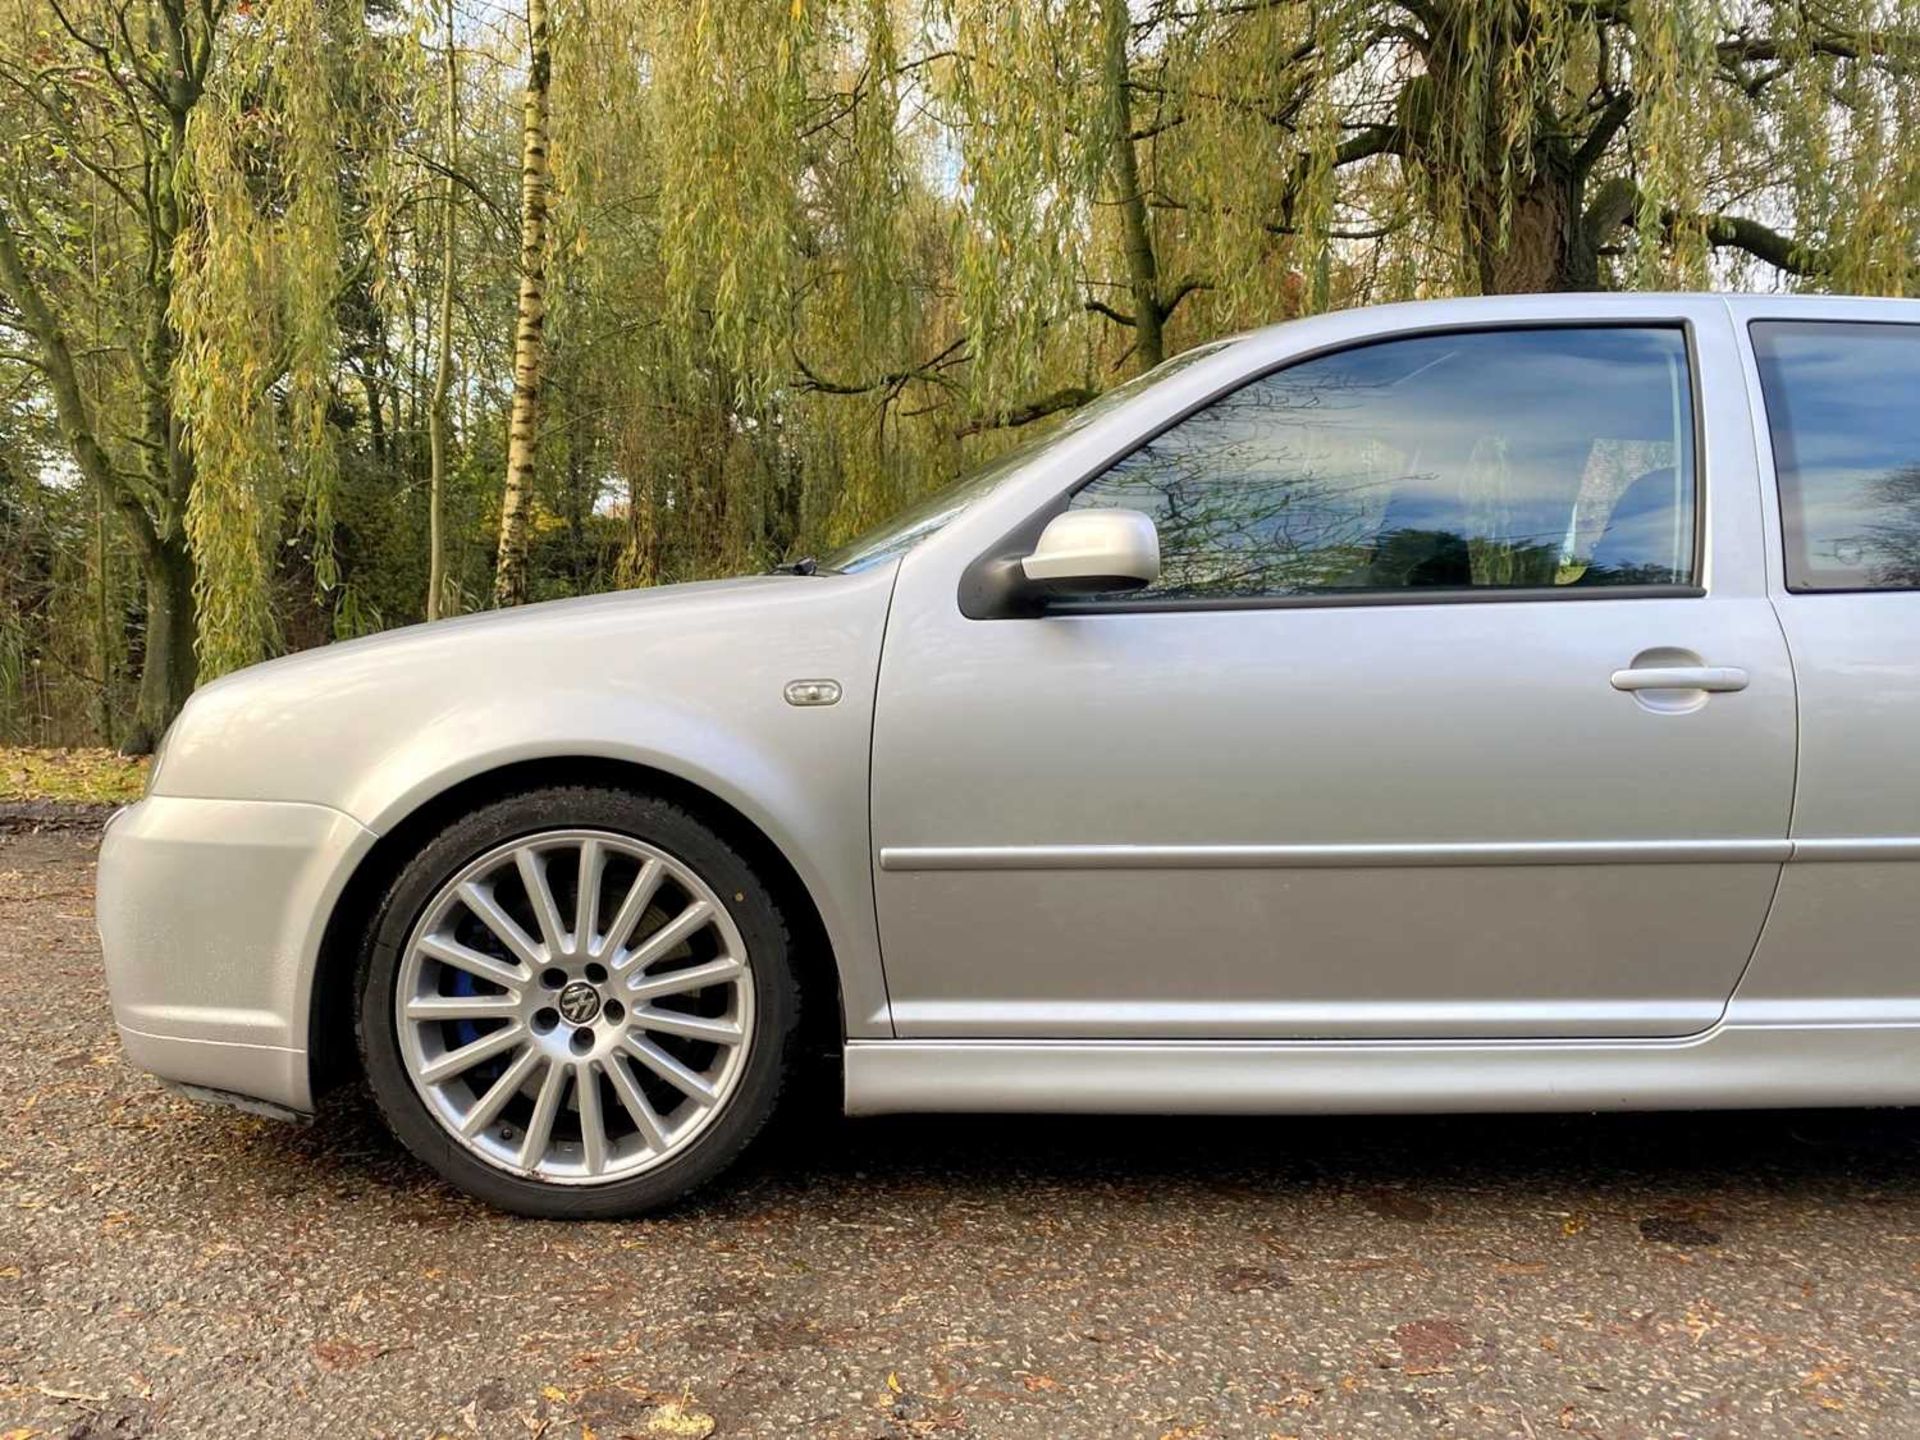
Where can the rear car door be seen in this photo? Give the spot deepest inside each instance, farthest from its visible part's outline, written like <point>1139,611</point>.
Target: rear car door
<point>1396,747</point>
<point>1834,385</point>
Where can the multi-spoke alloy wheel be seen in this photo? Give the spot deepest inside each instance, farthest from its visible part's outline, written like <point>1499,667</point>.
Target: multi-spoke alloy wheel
<point>554,1041</point>
<point>575,1007</point>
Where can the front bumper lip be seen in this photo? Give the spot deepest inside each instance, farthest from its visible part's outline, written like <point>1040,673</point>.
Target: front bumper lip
<point>211,914</point>
<point>271,1075</point>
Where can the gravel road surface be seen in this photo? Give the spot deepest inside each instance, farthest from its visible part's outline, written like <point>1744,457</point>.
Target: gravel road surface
<point>177,1271</point>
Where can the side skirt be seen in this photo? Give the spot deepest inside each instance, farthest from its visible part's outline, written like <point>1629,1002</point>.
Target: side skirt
<point>1728,1067</point>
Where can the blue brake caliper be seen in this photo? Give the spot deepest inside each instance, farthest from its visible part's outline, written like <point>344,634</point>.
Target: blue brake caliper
<point>465,1032</point>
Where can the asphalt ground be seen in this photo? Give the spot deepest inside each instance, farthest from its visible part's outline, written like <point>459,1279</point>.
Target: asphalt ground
<point>172,1270</point>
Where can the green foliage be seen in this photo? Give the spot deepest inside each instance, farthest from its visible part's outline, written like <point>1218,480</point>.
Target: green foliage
<point>808,259</point>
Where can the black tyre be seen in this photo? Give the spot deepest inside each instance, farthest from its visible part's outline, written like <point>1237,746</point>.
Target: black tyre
<point>577,1002</point>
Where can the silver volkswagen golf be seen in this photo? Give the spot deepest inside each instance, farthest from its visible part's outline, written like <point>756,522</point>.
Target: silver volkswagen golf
<point>1492,704</point>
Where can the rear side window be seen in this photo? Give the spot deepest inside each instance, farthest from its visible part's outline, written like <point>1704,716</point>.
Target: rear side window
<point>1526,460</point>
<point>1843,407</point>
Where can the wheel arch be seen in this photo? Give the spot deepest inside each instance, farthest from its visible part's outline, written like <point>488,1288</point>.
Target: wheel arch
<point>332,1059</point>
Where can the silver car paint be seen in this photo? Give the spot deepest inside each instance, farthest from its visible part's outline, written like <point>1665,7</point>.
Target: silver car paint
<point>1841,939</point>
<point>689,680</point>
<point>210,915</point>
<point>1349,753</point>
<point>215,892</point>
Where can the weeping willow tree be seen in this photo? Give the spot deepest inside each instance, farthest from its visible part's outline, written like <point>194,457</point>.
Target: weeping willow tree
<point>267,268</point>
<point>1231,163</point>
<point>749,237</point>
<point>854,241</point>
<point>261,274</point>
<point>170,247</point>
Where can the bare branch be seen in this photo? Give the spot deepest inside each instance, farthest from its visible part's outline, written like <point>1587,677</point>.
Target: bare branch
<point>930,370</point>
<point>1616,203</point>
<point>1612,119</point>
<point>1764,243</point>
<point>1066,398</point>
<point>1186,287</point>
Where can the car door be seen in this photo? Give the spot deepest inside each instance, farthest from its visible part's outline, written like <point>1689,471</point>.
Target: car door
<point>1833,385</point>
<point>1450,714</point>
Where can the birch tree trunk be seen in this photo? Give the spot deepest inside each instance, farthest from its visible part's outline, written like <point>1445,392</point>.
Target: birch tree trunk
<point>529,347</point>
<point>443,364</point>
<point>1143,271</point>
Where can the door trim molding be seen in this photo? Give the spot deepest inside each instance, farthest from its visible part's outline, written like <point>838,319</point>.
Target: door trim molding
<point>904,858</point>
<point>1872,847</point>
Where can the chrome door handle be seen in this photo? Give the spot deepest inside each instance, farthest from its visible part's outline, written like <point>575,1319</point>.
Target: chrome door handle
<point>1714,678</point>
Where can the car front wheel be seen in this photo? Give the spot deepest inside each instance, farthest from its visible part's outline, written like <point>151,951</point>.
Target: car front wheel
<point>577,1002</point>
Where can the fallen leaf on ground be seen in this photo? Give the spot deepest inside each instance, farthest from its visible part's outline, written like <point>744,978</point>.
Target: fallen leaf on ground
<point>337,1355</point>
<point>78,1396</point>
<point>88,776</point>
<point>679,1419</point>
<point>1428,1344</point>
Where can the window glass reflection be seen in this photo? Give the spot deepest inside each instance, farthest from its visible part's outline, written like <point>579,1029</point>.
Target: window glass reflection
<point>1846,448</point>
<point>1498,459</point>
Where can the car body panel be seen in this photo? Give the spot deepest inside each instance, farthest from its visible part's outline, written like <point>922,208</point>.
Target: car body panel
<point>1537,853</point>
<point>209,912</point>
<point>1841,939</point>
<point>1728,1067</point>
<point>687,680</point>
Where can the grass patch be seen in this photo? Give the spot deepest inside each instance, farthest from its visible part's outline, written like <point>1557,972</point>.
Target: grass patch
<point>96,777</point>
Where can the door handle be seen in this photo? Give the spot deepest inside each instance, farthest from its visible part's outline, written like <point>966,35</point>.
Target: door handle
<point>1714,678</point>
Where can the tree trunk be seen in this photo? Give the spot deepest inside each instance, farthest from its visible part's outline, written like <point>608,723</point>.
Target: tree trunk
<point>1143,277</point>
<point>168,670</point>
<point>443,364</point>
<point>102,621</point>
<point>1537,253</point>
<point>529,358</point>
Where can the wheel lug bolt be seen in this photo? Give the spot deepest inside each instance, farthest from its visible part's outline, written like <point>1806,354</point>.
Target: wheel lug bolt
<point>615,1012</point>
<point>553,977</point>
<point>580,1042</point>
<point>545,1018</point>
<point>597,973</point>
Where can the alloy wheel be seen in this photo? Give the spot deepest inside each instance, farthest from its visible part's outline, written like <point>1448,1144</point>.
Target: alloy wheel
<point>575,1006</point>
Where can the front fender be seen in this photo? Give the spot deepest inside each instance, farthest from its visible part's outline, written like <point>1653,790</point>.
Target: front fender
<point>807,793</point>
<point>687,680</point>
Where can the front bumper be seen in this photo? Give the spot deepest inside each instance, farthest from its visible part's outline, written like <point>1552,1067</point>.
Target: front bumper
<point>211,914</point>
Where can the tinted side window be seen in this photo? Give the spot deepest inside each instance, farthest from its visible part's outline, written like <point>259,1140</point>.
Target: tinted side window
<point>1489,459</point>
<point>1843,406</point>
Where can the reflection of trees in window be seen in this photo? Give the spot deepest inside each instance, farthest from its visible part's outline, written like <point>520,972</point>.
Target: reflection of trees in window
<point>1443,462</point>
<point>1892,542</point>
<point>1247,506</point>
<point>1262,493</point>
<point>1846,450</point>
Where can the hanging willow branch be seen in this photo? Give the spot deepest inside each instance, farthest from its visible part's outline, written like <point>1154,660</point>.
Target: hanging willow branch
<point>261,274</point>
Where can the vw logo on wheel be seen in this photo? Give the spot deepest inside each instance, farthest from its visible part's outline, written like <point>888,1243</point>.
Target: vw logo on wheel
<point>579,1003</point>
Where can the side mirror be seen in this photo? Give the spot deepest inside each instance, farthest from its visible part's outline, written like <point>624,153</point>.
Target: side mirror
<point>1089,552</point>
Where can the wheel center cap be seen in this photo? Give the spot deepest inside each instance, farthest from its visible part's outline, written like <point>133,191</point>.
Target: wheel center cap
<point>579,1003</point>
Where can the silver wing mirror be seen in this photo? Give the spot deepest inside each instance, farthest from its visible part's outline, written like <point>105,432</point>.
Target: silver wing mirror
<point>1089,552</point>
